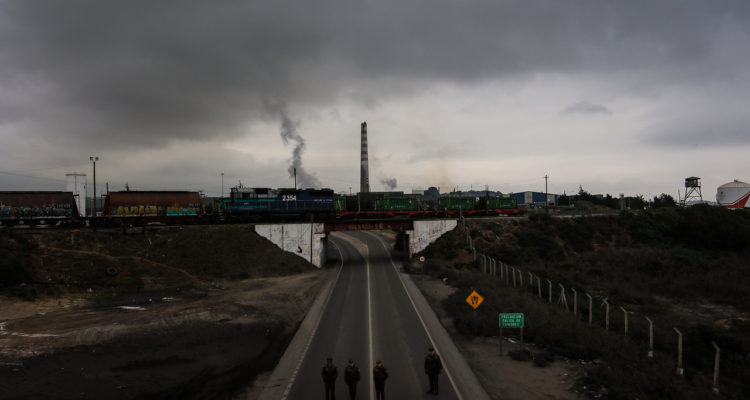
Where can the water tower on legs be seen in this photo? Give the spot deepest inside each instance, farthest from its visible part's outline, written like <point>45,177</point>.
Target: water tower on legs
<point>692,190</point>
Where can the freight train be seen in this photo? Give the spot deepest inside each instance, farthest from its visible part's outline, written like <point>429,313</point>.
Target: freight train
<point>243,205</point>
<point>37,208</point>
<point>395,204</point>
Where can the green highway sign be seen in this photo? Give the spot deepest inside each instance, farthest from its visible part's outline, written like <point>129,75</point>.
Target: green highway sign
<point>511,320</point>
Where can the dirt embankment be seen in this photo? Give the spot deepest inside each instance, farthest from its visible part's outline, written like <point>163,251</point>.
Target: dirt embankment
<point>192,312</point>
<point>665,265</point>
<point>501,377</point>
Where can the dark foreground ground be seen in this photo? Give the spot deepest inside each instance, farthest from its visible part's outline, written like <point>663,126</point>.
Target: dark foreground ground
<point>200,360</point>
<point>166,326</point>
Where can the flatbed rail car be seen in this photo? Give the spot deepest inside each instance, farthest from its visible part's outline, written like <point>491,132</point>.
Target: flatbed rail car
<point>38,208</point>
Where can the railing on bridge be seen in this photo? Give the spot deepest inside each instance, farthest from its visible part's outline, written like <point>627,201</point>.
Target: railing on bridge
<point>333,226</point>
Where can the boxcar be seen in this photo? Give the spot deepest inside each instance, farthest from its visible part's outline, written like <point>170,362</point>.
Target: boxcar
<point>456,203</point>
<point>36,208</point>
<point>397,203</point>
<point>500,203</point>
<point>135,204</point>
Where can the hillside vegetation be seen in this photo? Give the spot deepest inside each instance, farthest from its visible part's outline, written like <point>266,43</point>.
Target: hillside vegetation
<point>53,262</point>
<point>684,268</point>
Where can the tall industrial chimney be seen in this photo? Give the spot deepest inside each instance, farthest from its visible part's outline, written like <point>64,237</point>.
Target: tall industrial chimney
<point>364,176</point>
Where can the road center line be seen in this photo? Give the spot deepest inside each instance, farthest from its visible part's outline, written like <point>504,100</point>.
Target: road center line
<point>369,318</point>
<point>445,366</point>
<point>315,329</point>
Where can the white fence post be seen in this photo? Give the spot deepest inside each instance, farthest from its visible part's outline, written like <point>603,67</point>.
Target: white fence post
<point>625,314</point>
<point>549,285</point>
<point>716,368</point>
<point>539,286</point>
<point>650,337</point>
<point>680,371</point>
<point>606,315</point>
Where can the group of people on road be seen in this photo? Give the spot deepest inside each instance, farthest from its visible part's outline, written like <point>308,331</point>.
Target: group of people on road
<point>432,367</point>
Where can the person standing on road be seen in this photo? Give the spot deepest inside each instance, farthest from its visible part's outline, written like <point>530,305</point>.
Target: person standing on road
<point>432,367</point>
<point>329,378</point>
<point>379,375</point>
<point>351,377</point>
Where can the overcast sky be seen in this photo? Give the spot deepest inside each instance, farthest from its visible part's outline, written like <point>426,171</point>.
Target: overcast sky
<point>617,96</point>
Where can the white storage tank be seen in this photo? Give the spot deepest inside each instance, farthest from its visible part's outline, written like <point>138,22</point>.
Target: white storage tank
<point>733,194</point>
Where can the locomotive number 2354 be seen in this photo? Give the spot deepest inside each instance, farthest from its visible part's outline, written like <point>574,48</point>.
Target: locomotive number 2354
<point>289,198</point>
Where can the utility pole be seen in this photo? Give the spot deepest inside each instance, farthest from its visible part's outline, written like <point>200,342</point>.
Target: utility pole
<point>94,159</point>
<point>546,192</point>
<point>295,178</point>
<point>222,184</point>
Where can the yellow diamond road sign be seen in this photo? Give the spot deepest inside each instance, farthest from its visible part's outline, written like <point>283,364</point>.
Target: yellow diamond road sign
<point>474,299</point>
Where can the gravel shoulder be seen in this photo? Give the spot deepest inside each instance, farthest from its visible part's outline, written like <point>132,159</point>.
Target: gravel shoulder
<point>502,377</point>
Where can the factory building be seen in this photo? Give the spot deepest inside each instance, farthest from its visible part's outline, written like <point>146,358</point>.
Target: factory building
<point>536,199</point>
<point>733,194</point>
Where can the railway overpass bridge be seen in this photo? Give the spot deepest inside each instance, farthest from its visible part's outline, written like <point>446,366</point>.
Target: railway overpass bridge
<point>310,240</point>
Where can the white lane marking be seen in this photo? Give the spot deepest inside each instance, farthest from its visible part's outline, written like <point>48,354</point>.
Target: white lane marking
<point>445,367</point>
<point>315,329</point>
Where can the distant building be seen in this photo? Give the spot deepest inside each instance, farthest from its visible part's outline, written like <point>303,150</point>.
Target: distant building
<point>536,199</point>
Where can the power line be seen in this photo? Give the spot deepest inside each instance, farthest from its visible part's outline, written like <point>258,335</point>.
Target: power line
<point>46,169</point>
<point>31,176</point>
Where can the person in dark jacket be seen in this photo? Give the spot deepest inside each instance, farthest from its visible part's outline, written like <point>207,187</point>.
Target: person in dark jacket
<point>351,377</point>
<point>330,373</point>
<point>379,375</point>
<point>432,367</point>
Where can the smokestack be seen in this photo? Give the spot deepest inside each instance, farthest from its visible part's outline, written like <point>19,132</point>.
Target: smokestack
<point>364,176</point>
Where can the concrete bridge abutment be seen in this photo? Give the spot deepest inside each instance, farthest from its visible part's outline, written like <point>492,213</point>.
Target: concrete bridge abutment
<point>306,240</point>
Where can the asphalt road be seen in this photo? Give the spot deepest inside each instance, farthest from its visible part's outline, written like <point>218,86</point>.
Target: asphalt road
<point>369,315</point>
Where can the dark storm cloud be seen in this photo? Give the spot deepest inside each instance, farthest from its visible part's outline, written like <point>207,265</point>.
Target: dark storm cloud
<point>584,107</point>
<point>701,130</point>
<point>139,73</point>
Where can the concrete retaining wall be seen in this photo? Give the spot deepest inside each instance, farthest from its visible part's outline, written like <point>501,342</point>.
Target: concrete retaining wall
<point>304,240</point>
<point>426,232</point>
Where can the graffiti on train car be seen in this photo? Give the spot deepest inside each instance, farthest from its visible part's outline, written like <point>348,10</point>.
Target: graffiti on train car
<point>51,211</point>
<point>181,211</point>
<point>136,211</point>
<point>153,211</point>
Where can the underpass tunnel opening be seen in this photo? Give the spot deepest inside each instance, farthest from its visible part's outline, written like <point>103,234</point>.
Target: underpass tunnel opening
<point>395,241</point>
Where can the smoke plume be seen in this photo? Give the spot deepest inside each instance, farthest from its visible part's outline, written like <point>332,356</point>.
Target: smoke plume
<point>390,183</point>
<point>289,132</point>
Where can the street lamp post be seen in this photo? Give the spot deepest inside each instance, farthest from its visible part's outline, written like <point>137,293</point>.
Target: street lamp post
<point>94,159</point>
